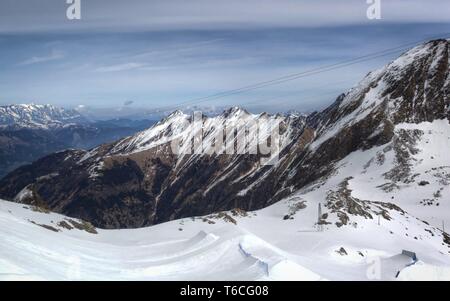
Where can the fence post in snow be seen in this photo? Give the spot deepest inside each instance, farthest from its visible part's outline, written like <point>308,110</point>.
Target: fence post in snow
<point>319,225</point>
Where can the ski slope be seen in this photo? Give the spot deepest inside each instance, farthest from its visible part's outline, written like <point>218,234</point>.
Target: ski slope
<point>257,245</point>
<point>363,233</point>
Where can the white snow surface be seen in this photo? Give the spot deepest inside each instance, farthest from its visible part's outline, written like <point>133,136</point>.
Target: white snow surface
<point>430,165</point>
<point>264,244</point>
<point>260,246</point>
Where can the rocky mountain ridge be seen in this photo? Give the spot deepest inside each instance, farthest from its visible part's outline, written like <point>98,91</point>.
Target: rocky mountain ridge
<point>138,181</point>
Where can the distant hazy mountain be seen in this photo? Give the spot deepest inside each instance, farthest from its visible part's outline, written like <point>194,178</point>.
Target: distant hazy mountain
<point>38,116</point>
<point>28,132</point>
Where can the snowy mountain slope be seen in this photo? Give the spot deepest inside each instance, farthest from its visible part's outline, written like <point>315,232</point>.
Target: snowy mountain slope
<point>138,181</point>
<point>235,245</point>
<point>175,127</point>
<point>156,180</point>
<point>38,116</point>
<point>413,88</point>
<point>375,162</point>
<point>412,171</point>
<point>23,142</point>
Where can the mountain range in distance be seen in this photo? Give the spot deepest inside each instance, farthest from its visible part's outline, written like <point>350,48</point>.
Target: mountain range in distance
<point>30,131</point>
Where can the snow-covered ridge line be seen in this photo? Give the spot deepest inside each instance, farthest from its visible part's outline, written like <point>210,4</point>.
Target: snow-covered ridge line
<point>176,126</point>
<point>401,91</point>
<point>38,116</point>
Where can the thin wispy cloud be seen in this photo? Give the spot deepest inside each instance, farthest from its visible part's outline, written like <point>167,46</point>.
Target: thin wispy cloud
<point>162,52</point>
<point>120,67</point>
<point>173,50</point>
<point>53,56</point>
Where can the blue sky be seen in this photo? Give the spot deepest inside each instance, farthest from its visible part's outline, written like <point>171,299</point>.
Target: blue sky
<point>149,54</point>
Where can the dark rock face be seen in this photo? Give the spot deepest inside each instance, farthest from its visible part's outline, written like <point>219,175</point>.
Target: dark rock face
<point>422,90</point>
<point>22,146</point>
<point>118,185</point>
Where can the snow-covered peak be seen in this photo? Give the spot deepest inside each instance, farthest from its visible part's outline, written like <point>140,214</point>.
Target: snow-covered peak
<point>36,116</point>
<point>162,132</point>
<point>175,113</point>
<point>412,88</point>
<point>436,49</point>
<point>179,125</point>
<point>173,117</point>
<point>425,58</point>
<point>295,114</point>
<point>235,110</point>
